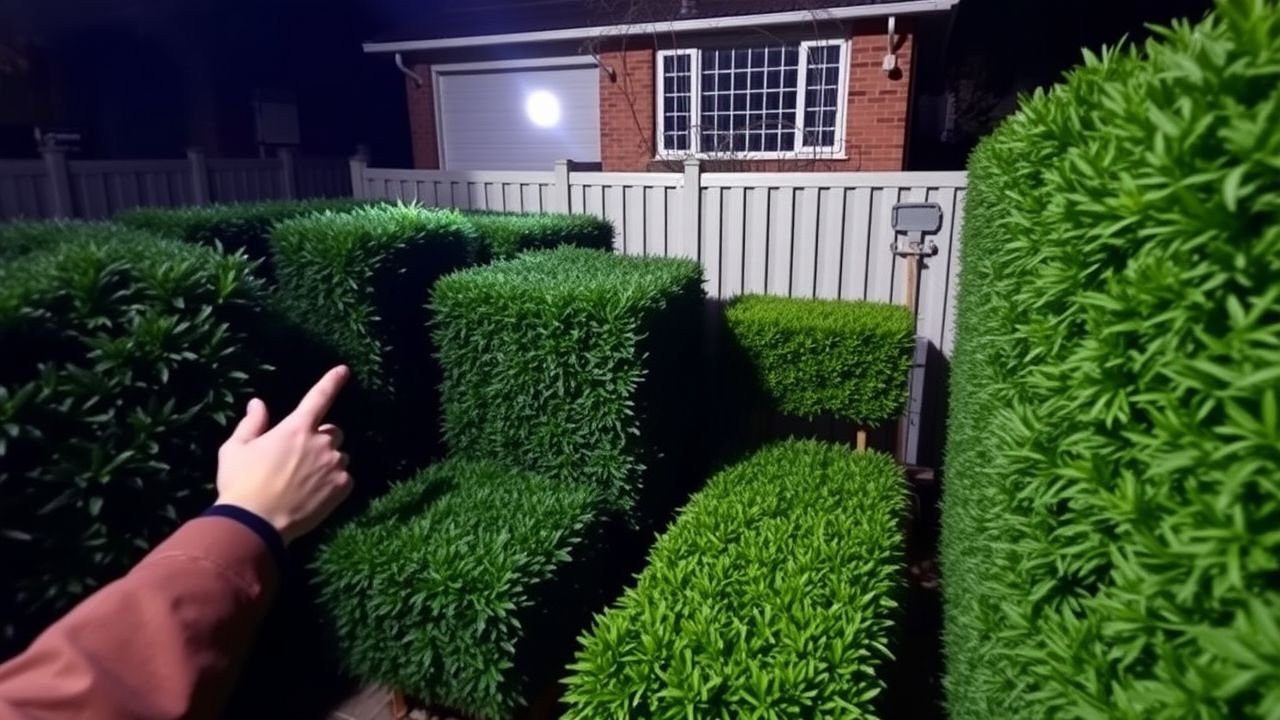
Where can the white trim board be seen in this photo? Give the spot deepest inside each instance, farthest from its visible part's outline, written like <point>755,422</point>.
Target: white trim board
<point>907,7</point>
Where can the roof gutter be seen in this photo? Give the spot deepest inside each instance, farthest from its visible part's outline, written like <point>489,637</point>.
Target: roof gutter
<point>908,7</point>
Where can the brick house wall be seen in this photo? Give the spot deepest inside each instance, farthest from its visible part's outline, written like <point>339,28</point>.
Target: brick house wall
<point>875,120</point>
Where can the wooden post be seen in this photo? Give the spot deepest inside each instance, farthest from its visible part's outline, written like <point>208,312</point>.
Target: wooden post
<point>563,202</point>
<point>358,162</point>
<point>288,173</point>
<point>399,705</point>
<point>199,176</point>
<point>690,225</point>
<point>55,165</point>
<point>861,439</point>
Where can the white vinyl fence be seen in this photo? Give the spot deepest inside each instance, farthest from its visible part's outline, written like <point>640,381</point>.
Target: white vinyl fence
<point>823,235</point>
<point>55,186</point>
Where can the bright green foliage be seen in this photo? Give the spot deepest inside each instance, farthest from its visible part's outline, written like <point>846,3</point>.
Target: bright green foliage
<point>124,361</point>
<point>360,280</point>
<point>769,597</point>
<point>1111,526</point>
<point>507,234</point>
<point>21,237</point>
<point>433,589</point>
<point>827,357</point>
<point>571,363</point>
<point>234,226</point>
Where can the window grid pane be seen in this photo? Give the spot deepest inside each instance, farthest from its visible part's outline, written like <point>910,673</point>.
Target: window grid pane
<point>821,95</point>
<point>749,99</point>
<point>677,100</point>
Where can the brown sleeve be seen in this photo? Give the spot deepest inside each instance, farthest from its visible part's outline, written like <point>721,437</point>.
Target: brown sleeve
<point>164,641</point>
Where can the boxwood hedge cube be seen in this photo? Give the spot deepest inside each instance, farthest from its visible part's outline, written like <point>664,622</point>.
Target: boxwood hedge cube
<point>826,357</point>
<point>572,363</point>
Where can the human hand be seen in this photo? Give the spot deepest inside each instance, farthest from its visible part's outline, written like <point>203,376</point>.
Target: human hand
<point>292,475</point>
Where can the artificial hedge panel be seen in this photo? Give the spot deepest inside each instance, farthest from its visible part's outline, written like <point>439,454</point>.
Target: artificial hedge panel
<point>233,226</point>
<point>572,363</point>
<point>769,597</point>
<point>826,357</point>
<point>1109,543</point>
<point>125,359</point>
<point>507,234</point>
<point>435,587</point>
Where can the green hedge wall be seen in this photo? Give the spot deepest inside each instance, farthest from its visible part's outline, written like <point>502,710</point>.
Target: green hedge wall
<point>1110,511</point>
<point>124,362</point>
<point>435,588</point>
<point>507,234</point>
<point>234,226</point>
<point>573,364</point>
<point>826,357</point>
<point>769,597</point>
<point>22,237</point>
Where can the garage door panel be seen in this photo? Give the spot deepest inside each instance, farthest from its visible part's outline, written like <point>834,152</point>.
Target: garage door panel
<point>486,125</point>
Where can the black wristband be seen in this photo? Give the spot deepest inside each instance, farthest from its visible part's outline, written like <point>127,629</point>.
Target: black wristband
<point>263,529</point>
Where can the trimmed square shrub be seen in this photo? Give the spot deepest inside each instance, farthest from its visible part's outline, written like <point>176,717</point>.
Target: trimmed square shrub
<point>361,280</point>
<point>770,596</point>
<point>827,357</point>
<point>235,226</point>
<point>574,364</point>
<point>437,587</point>
<point>124,361</point>
<point>1110,506</point>
<point>507,234</point>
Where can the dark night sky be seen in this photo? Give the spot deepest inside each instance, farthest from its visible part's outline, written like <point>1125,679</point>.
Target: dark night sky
<point>149,77</point>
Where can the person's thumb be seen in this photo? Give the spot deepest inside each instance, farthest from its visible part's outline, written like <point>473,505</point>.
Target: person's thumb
<point>253,424</point>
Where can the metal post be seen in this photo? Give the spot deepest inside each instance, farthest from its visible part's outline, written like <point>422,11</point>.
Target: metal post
<point>55,165</point>
<point>199,176</point>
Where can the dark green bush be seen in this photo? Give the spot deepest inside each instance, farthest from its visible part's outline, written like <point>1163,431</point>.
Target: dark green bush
<point>573,364</point>
<point>21,237</point>
<point>507,234</point>
<point>435,587</point>
<point>238,226</point>
<point>361,280</point>
<point>1111,505</point>
<point>123,363</point>
<point>827,357</point>
<point>769,597</point>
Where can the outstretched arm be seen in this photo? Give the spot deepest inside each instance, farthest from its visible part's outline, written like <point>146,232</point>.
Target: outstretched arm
<point>165,641</point>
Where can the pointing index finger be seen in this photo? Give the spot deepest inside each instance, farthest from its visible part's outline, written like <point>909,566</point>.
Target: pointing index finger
<point>316,403</point>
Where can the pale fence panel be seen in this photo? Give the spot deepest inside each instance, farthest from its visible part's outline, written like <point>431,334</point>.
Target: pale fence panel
<point>24,189</point>
<point>244,180</point>
<point>322,177</point>
<point>101,188</point>
<point>515,191</point>
<point>813,235</point>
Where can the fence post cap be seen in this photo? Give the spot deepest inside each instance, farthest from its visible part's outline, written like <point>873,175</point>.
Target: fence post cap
<point>692,162</point>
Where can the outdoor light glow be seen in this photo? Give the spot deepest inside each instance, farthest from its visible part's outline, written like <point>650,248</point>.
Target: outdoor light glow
<point>542,108</point>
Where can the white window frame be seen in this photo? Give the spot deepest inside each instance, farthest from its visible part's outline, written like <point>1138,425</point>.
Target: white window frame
<point>835,151</point>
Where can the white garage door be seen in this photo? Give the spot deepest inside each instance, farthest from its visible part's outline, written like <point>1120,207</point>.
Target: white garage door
<point>519,119</point>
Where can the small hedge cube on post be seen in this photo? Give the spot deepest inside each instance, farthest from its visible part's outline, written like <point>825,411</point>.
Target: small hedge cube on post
<point>848,360</point>
<point>126,357</point>
<point>442,585</point>
<point>574,364</point>
<point>770,596</point>
<point>505,235</point>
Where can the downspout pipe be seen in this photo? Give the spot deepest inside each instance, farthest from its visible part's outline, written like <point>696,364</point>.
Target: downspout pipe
<point>415,77</point>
